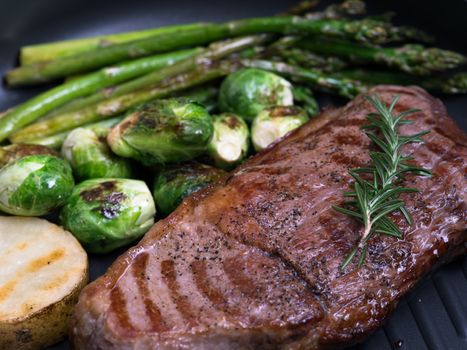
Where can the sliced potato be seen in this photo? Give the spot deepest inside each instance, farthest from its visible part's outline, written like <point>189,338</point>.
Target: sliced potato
<point>42,270</point>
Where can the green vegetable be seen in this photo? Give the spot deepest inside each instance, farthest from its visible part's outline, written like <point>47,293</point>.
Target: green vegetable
<point>414,59</point>
<point>273,123</point>
<point>303,97</point>
<point>105,214</point>
<point>215,51</point>
<point>315,78</point>
<point>248,91</point>
<point>364,30</point>
<point>206,95</point>
<point>173,64</point>
<point>174,183</point>
<point>34,185</point>
<point>101,129</point>
<point>455,84</point>
<point>39,105</point>
<point>112,107</point>
<point>230,141</point>
<point>50,51</point>
<point>163,131</point>
<point>90,157</point>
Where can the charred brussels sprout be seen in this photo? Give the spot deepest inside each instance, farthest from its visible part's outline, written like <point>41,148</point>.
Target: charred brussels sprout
<point>176,182</point>
<point>248,91</point>
<point>163,131</point>
<point>105,214</point>
<point>229,144</point>
<point>90,157</point>
<point>273,123</point>
<point>34,185</point>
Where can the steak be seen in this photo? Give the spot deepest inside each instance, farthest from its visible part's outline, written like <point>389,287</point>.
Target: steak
<point>252,262</point>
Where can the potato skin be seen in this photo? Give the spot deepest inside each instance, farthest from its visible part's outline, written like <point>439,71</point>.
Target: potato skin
<point>44,327</point>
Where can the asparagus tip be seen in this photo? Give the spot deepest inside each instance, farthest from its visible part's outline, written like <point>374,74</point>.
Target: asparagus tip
<point>457,84</point>
<point>405,33</point>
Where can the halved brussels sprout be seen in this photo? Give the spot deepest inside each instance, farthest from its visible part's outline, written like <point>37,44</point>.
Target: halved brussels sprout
<point>90,157</point>
<point>163,131</point>
<point>174,183</point>
<point>273,123</point>
<point>248,91</point>
<point>105,214</point>
<point>230,141</point>
<point>34,185</point>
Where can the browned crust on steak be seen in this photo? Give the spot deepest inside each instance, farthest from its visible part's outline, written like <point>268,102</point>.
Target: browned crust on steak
<point>253,261</point>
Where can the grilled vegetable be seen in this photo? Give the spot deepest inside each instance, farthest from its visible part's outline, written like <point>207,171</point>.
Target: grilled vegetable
<point>44,269</point>
<point>105,214</point>
<point>312,77</point>
<point>90,157</point>
<point>273,123</point>
<point>34,185</point>
<point>39,105</point>
<point>413,58</point>
<point>153,72</point>
<point>174,183</point>
<point>366,30</point>
<point>248,91</point>
<point>230,141</point>
<point>114,106</point>
<point>164,131</point>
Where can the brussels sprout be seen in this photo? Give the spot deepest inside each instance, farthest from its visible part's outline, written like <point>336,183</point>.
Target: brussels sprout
<point>174,183</point>
<point>229,144</point>
<point>273,123</point>
<point>163,131</point>
<point>34,185</point>
<point>90,157</point>
<point>248,91</point>
<point>105,214</point>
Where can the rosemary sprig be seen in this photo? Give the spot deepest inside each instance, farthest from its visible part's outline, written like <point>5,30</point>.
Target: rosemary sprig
<point>376,188</point>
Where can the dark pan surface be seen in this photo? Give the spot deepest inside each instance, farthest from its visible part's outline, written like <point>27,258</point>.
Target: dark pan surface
<point>434,316</point>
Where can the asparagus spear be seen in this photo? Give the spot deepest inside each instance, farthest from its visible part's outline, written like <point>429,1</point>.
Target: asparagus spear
<point>332,83</point>
<point>112,107</point>
<point>56,141</point>
<point>456,84</point>
<point>215,51</point>
<point>414,59</point>
<point>50,51</point>
<point>45,102</point>
<point>307,59</point>
<point>364,30</point>
<point>35,108</point>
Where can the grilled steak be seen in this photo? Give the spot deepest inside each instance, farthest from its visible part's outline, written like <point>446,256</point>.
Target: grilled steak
<point>252,262</point>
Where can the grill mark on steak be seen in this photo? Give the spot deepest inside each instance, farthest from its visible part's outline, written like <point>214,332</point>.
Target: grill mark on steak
<point>120,311</point>
<point>240,280</point>
<point>205,287</point>
<point>183,306</point>
<point>154,314</point>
